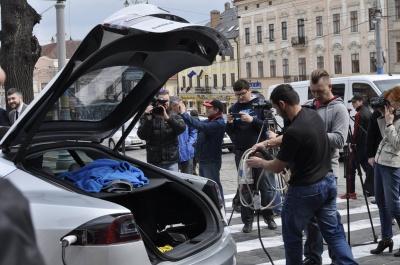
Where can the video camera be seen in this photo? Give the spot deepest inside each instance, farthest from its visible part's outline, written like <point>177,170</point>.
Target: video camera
<point>157,103</point>
<point>378,103</point>
<point>266,105</point>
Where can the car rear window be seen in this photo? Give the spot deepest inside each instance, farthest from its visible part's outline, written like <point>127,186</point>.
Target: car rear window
<point>96,94</point>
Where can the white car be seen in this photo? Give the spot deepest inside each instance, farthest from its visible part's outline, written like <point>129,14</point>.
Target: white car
<point>131,141</point>
<point>53,152</point>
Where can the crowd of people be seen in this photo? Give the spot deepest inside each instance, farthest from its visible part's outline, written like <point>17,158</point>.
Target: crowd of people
<point>177,140</point>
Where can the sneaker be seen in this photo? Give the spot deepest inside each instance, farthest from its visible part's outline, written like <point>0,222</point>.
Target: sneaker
<point>271,224</point>
<point>247,228</point>
<point>352,196</point>
<point>373,202</point>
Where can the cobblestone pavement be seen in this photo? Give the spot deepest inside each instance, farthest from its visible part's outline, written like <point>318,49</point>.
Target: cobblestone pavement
<point>249,246</point>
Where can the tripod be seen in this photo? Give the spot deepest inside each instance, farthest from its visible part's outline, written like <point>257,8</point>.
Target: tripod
<point>358,169</point>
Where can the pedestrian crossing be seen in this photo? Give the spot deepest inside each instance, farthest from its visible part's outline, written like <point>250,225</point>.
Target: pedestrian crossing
<point>250,250</point>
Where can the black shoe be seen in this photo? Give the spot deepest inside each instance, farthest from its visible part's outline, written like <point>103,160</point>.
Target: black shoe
<point>373,202</point>
<point>382,245</point>
<point>397,254</point>
<point>247,228</point>
<point>271,224</point>
<point>308,261</point>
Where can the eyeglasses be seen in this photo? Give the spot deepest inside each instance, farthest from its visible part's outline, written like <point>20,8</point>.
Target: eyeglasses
<point>241,94</point>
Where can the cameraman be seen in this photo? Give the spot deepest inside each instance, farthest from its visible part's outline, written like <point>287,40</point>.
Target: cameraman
<point>160,130</point>
<point>387,169</point>
<point>312,191</point>
<point>244,131</point>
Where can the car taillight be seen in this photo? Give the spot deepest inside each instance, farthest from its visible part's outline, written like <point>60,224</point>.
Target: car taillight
<point>107,230</point>
<point>212,190</point>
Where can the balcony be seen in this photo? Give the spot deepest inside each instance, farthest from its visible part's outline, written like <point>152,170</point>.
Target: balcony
<point>295,78</point>
<point>299,42</point>
<point>206,90</point>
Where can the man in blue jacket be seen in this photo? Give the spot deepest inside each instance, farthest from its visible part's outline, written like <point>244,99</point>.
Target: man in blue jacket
<point>186,141</point>
<point>209,141</point>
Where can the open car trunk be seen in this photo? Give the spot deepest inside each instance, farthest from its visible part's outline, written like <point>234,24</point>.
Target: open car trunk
<point>175,219</point>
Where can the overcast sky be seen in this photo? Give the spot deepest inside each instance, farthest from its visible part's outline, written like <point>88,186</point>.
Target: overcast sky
<point>82,15</point>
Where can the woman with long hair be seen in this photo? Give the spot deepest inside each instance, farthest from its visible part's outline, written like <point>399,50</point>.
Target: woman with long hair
<point>387,169</point>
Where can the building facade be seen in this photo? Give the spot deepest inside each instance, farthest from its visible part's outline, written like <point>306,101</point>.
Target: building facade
<point>205,83</point>
<point>393,21</point>
<point>285,40</point>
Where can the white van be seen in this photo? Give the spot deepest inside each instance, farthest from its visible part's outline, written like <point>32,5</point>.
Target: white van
<point>367,86</point>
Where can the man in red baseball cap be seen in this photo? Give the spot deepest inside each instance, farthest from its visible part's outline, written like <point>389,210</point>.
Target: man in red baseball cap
<point>208,149</point>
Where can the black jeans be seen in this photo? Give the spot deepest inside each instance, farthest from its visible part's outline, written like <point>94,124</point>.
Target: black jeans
<point>363,160</point>
<point>266,193</point>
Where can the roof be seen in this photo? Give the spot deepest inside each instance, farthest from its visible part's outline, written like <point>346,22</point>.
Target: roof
<point>50,50</point>
<point>229,25</point>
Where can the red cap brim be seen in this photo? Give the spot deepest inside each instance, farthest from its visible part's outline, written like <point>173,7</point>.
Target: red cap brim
<point>207,104</point>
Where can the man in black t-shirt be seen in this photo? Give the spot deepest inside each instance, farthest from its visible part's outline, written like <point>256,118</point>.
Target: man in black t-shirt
<point>312,192</point>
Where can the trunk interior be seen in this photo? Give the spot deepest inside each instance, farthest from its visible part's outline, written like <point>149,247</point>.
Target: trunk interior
<point>174,220</point>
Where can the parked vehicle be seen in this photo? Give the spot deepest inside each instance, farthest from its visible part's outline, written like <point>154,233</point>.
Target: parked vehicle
<point>131,141</point>
<point>116,71</point>
<point>367,86</point>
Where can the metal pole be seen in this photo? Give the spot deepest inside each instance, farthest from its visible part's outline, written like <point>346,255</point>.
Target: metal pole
<point>61,51</point>
<point>378,19</point>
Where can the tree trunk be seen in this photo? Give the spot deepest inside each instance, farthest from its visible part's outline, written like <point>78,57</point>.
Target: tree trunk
<point>20,50</point>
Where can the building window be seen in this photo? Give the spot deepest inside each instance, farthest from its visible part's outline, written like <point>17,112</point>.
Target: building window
<point>206,81</point>
<point>233,55</point>
<point>223,80</point>
<point>397,8</point>
<point>247,35</point>
<point>338,64</point>
<point>260,69</point>
<point>259,34</point>
<point>285,67</point>
<point>258,5</point>
<point>198,81</point>
<point>319,26</point>
<point>222,57</point>
<point>190,82</point>
<point>302,69</point>
<point>398,51</point>
<point>271,32</point>
<point>232,78</point>
<point>284,30</point>
<point>245,8</point>
<point>300,28</point>
<point>336,23</point>
<point>183,81</point>
<point>353,21</point>
<point>272,68</point>
<point>248,69</point>
<point>215,78</point>
<point>372,62</point>
<point>320,62</point>
<point>355,63</point>
<point>371,12</point>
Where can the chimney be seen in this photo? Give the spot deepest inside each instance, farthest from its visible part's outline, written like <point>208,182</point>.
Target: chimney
<point>227,6</point>
<point>215,18</point>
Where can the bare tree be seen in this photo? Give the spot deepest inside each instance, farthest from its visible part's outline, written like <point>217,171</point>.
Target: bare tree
<point>20,50</point>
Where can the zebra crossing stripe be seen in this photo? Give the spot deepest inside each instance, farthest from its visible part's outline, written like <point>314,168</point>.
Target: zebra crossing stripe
<point>358,252</point>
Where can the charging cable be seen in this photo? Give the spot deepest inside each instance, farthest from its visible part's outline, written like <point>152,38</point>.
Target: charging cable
<point>65,242</point>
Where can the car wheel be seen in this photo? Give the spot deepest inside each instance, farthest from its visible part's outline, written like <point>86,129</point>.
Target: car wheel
<point>230,149</point>
<point>111,144</point>
<point>143,147</point>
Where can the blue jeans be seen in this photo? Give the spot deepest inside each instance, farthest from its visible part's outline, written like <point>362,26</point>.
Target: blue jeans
<point>278,197</point>
<point>387,182</point>
<point>210,170</point>
<point>170,166</point>
<point>187,166</point>
<point>313,247</point>
<point>303,203</point>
